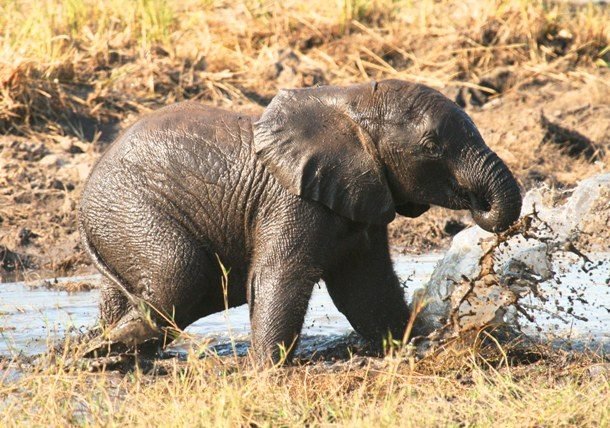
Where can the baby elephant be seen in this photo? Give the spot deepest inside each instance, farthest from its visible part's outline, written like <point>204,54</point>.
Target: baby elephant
<point>304,192</point>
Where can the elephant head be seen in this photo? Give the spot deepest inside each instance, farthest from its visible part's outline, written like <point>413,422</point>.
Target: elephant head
<point>372,150</point>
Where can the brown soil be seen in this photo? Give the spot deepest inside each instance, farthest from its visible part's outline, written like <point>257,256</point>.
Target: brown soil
<point>534,77</point>
<point>41,178</point>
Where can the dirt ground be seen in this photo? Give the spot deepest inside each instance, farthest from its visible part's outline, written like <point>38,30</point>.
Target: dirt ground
<point>533,76</point>
<point>532,128</point>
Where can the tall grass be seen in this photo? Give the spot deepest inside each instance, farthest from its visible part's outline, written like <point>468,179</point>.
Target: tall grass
<point>47,29</point>
<point>99,59</point>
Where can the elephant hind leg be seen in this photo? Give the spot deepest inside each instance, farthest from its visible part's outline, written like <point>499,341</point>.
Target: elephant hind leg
<point>123,326</point>
<point>177,283</point>
<point>131,332</point>
<point>114,304</point>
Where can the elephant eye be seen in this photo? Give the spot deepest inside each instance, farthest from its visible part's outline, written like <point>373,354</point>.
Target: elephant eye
<point>431,147</point>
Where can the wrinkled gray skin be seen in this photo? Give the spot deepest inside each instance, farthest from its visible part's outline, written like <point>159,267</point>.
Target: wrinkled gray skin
<point>303,193</point>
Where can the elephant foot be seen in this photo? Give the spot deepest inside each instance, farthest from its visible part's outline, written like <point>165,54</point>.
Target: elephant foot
<point>132,333</point>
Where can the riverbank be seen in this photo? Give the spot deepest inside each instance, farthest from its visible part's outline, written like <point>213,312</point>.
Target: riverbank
<point>456,387</point>
<point>533,76</point>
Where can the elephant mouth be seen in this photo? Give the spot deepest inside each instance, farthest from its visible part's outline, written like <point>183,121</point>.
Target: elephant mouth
<point>411,209</point>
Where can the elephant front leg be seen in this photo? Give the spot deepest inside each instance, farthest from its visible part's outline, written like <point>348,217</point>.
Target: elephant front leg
<point>367,291</point>
<point>278,296</point>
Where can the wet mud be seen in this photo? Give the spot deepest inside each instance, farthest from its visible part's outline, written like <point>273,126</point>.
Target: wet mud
<point>42,176</point>
<point>37,319</point>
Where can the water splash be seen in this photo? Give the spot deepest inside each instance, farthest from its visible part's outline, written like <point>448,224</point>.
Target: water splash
<point>532,278</point>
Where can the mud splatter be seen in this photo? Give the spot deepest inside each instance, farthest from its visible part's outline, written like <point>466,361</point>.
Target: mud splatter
<point>533,271</point>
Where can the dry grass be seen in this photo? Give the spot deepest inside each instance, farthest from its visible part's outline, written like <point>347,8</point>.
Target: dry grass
<point>74,59</point>
<point>456,388</point>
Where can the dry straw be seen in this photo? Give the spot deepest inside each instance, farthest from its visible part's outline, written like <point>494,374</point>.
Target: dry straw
<point>67,61</point>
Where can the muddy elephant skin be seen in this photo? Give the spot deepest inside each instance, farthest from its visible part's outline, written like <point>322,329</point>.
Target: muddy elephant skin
<point>303,193</point>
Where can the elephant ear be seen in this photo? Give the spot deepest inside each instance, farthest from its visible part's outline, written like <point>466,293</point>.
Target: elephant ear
<point>316,151</point>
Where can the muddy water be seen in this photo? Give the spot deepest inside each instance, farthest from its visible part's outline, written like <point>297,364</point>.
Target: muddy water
<point>532,277</point>
<point>32,318</point>
<point>575,311</point>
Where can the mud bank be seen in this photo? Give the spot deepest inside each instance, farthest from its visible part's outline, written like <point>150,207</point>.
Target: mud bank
<point>41,178</point>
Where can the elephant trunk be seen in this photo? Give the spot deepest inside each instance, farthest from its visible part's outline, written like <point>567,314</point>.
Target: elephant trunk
<point>495,198</point>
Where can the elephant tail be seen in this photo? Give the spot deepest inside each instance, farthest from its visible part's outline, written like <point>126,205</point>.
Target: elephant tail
<point>103,267</point>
